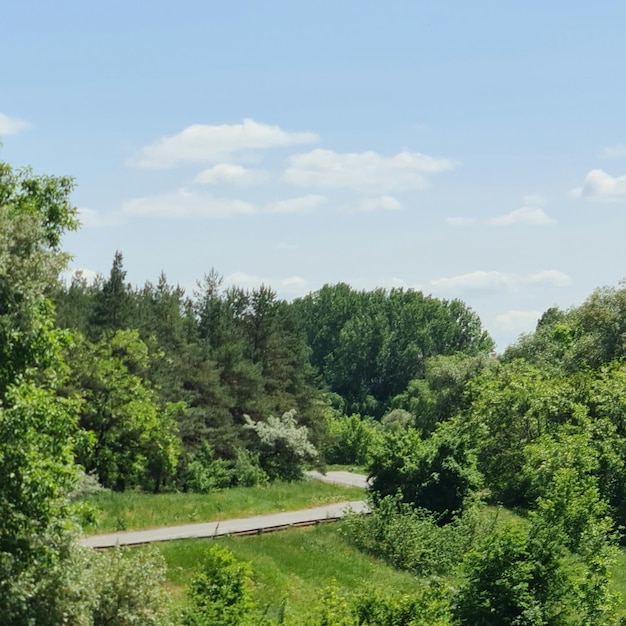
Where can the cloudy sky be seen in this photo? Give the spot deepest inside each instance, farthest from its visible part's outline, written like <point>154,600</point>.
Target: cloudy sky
<point>474,150</point>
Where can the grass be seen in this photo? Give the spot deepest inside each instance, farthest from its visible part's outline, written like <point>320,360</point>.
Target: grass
<point>618,579</point>
<point>294,565</point>
<point>136,511</point>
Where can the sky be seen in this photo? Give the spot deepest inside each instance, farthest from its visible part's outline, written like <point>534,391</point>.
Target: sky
<point>473,150</point>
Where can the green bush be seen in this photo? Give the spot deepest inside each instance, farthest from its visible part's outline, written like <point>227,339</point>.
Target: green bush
<point>411,539</point>
<point>247,471</point>
<point>351,439</point>
<point>220,593</point>
<point>202,472</point>
<point>128,588</point>
<point>438,474</point>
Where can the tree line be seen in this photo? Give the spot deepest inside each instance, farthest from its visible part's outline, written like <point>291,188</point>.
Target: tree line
<point>157,389</point>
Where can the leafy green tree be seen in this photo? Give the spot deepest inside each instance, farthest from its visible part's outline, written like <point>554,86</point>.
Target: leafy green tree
<point>351,438</point>
<point>437,474</point>
<point>369,345</point>
<point>512,405</point>
<point>126,587</point>
<point>442,393</point>
<point>127,437</point>
<point>36,425</point>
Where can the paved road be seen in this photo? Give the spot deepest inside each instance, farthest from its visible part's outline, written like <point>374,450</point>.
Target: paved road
<point>242,526</point>
<point>341,478</point>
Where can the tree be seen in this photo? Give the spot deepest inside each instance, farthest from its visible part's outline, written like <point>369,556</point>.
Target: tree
<point>36,425</point>
<point>369,345</point>
<point>112,306</point>
<point>283,446</point>
<point>127,436</point>
<point>438,474</point>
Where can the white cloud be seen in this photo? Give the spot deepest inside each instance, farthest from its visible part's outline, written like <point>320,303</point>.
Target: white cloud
<point>228,173</point>
<point>534,199</point>
<point>201,143</point>
<point>460,221</point>
<point>518,321</point>
<point>525,215</point>
<point>380,203</point>
<point>614,152</point>
<point>187,204</point>
<point>289,286</point>
<point>90,218</point>
<point>11,125</point>
<point>368,172</point>
<point>495,281</point>
<point>303,204</point>
<point>549,277</point>
<point>599,185</point>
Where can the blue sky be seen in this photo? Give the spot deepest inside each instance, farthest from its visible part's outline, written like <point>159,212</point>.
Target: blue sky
<point>471,150</point>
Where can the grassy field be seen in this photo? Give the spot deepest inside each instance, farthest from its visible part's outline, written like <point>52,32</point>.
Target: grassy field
<point>135,511</point>
<point>294,565</point>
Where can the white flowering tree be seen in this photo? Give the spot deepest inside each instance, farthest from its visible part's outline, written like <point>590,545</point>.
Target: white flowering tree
<point>283,445</point>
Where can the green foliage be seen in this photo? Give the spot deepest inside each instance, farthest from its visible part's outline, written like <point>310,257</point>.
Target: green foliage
<point>127,588</point>
<point>36,426</point>
<point>512,406</point>
<point>441,394</point>
<point>283,446</point>
<point>126,435</point>
<point>429,605</point>
<point>438,474</point>
<point>333,609</point>
<point>204,473</point>
<point>411,540</point>
<point>507,586</point>
<point>220,593</point>
<point>369,345</point>
<point>351,439</point>
<point>112,301</point>
<point>247,470</point>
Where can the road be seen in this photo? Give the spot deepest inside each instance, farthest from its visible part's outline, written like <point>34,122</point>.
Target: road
<point>242,526</point>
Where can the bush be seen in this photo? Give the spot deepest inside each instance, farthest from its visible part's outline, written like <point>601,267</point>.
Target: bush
<point>351,440</point>
<point>411,539</point>
<point>283,446</point>
<point>247,471</point>
<point>203,473</point>
<point>438,474</point>
<point>128,588</point>
<point>220,592</point>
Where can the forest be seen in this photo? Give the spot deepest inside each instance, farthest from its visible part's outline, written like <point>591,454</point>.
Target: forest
<point>498,482</point>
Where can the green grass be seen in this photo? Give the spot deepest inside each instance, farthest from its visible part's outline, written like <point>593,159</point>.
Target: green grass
<point>618,579</point>
<point>136,511</point>
<point>295,565</point>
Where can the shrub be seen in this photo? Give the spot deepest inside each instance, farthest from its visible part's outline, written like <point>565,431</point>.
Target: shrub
<point>220,591</point>
<point>438,474</point>
<point>411,539</point>
<point>351,440</point>
<point>283,446</point>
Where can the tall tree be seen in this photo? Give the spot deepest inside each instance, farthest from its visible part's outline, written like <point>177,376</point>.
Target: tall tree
<point>112,307</point>
<point>36,425</point>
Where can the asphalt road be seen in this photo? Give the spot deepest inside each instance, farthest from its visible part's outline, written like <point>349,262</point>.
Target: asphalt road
<point>242,526</point>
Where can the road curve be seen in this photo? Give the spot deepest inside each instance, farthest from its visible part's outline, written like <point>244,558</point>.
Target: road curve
<point>349,479</point>
<point>242,526</point>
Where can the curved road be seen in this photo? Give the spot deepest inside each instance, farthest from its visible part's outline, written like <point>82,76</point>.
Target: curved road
<point>242,526</point>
